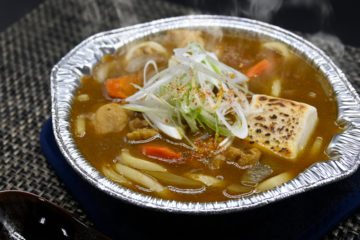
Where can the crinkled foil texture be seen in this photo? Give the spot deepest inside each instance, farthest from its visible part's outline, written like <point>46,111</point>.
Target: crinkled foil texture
<point>343,150</point>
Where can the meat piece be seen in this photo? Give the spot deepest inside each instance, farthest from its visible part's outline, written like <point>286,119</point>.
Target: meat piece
<point>233,55</point>
<point>217,161</point>
<point>137,123</point>
<point>244,158</point>
<point>181,38</point>
<point>250,158</point>
<point>279,125</point>
<point>256,174</point>
<point>110,118</point>
<point>141,134</point>
<point>130,113</point>
<point>232,153</point>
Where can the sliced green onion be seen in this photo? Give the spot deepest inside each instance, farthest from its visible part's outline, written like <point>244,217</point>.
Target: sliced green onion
<point>186,93</point>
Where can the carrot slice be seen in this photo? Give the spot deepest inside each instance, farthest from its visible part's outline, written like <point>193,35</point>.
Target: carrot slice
<point>121,87</point>
<point>258,68</point>
<point>160,152</point>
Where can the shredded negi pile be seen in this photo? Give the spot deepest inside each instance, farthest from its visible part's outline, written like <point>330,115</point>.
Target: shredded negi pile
<point>197,91</point>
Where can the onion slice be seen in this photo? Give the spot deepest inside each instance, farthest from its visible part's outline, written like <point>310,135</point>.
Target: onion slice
<point>197,90</point>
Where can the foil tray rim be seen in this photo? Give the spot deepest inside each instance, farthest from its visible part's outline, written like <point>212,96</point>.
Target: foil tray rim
<point>343,150</point>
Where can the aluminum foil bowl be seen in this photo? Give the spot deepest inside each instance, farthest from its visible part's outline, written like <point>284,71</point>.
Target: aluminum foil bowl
<point>343,150</point>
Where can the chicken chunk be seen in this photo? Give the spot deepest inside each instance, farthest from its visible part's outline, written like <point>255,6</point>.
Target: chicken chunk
<point>232,153</point>
<point>279,125</point>
<point>141,134</point>
<point>181,38</point>
<point>250,158</point>
<point>137,123</point>
<point>217,161</point>
<point>243,158</point>
<point>110,118</point>
<point>256,174</point>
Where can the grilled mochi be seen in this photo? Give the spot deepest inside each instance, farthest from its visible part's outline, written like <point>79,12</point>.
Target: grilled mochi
<point>279,125</point>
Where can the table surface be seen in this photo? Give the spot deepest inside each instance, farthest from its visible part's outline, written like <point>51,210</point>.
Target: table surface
<point>30,46</point>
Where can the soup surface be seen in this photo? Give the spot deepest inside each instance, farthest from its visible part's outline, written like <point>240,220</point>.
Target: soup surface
<point>193,156</point>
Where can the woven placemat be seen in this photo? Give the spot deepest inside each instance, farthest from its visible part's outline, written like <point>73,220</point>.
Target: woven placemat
<point>29,49</point>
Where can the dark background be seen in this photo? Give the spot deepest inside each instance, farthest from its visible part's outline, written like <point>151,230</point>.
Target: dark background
<point>337,17</point>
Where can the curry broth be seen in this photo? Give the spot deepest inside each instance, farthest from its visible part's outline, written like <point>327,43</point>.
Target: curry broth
<point>300,82</point>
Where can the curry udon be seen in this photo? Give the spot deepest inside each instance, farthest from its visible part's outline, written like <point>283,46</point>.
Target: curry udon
<point>192,115</point>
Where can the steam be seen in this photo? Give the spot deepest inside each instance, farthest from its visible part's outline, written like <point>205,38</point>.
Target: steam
<point>216,37</point>
<point>262,10</point>
<point>324,6</point>
<point>126,17</point>
<point>265,10</point>
<point>90,13</point>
